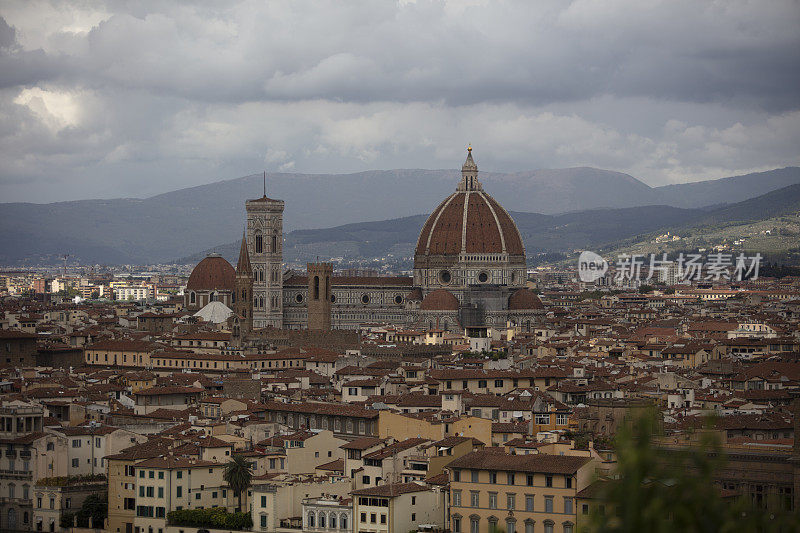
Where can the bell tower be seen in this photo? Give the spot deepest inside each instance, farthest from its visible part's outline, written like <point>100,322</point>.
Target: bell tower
<point>319,296</point>
<point>243,297</point>
<point>265,244</point>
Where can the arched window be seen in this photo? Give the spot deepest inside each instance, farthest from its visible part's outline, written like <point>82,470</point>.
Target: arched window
<point>11,490</point>
<point>548,526</point>
<point>316,287</point>
<point>322,519</point>
<point>192,297</point>
<point>259,242</point>
<point>332,522</point>
<point>343,521</point>
<point>274,241</point>
<point>529,526</point>
<point>311,519</point>
<point>50,446</point>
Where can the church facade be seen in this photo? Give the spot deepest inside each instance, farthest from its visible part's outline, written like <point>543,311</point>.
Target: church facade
<point>469,272</point>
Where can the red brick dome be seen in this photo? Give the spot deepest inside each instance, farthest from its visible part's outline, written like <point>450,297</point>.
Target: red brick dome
<point>472,222</point>
<point>440,300</point>
<point>212,273</point>
<point>524,299</point>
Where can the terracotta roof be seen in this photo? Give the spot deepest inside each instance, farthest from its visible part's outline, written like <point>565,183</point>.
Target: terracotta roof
<point>524,299</point>
<point>212,273</point>
<point>157,391</point>
<point>15,334</point>
<point>443,233</point>
<point>440,300</point>
<point>392,489</point>
<point>539,463</point>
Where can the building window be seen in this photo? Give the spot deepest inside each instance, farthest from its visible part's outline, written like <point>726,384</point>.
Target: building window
<point>568,505</point>
<point>343,521</point>
<point>259,242</point>
<point>548,504</point>
<point>510,478</point>
<point>474,524</point>
<point>528,526</point>
<point>568,482</point>
<point>492,500</point>
<point>511,526</point>
<point>474,498</point>
<point>456,498</point>
<point>456,524</point>
<point>548,481</point>
<point>511,502</point>
<point>548,526</point>
<point>567,527</point>
<point>474,478</point>
<point>311,518</point>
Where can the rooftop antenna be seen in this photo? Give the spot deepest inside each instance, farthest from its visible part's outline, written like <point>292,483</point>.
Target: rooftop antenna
<point>265,184</point>
<point>65,257</point>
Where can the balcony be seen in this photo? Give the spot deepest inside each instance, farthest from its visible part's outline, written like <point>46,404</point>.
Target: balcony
<point>16,474</point>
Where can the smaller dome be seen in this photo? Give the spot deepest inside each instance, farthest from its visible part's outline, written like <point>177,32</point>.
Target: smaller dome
<point>212,273</point>
<point>524,299</point>
<point>440,300</point>
<point>414,296</point>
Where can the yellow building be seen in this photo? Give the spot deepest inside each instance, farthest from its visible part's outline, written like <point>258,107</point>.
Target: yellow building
<point>406,426</point>
<point>516,493</point>
<point>168,483</point>
<point>396,508</point>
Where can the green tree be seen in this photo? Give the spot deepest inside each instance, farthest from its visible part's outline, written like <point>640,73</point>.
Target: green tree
<point>95,506</point>
<point>238,475</point>
<point>657,489</point>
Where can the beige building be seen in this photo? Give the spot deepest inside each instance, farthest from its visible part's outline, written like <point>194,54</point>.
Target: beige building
<point>405,426</point>
<point>51,500</point>
<point>517,493</point>
<point>276,504</point>
<point>168,483</point>
<point>396,508</point>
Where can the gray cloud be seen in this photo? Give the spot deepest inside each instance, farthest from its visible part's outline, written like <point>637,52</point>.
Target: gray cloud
<point>131,99</point>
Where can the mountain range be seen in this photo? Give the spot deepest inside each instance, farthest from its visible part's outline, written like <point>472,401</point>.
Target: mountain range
<point>541,233</point>
<point>555,210</point>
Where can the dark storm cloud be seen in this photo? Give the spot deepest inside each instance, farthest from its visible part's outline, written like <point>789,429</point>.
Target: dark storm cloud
<point>169,93</point>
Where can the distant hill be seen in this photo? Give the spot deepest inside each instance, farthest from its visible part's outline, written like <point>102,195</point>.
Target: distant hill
<point>180,223</point>
<point>590,229</point>
<point>769,224</point>
<point>541,233</point>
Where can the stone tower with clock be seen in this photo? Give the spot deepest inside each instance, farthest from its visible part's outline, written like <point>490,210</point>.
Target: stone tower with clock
<point>265,243</point>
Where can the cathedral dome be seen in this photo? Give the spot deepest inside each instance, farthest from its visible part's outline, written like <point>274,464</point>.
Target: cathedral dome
<point>469,222</point>
<point>440,300</point>
<point>524,299</point>
<point>469,239</point>
<point>212,273</point>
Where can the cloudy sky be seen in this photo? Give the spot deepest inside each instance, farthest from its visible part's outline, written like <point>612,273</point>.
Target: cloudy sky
<point>111,99</point>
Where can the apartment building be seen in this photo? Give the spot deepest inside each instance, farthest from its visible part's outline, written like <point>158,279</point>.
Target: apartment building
<point>517,493</point>
<point>168,483</point>
<point>396,508</point>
